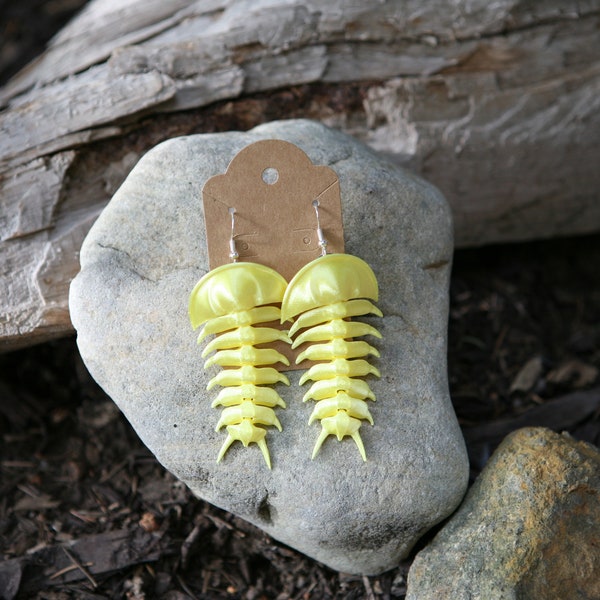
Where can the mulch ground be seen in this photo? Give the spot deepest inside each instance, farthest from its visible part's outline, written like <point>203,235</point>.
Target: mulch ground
<point>87,512</point>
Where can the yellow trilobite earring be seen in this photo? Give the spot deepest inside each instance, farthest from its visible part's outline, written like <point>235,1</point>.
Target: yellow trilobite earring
<point>325,294</point>
<point>230,300</point>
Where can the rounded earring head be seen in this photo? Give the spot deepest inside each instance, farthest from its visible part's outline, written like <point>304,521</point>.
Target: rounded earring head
<point>326,280</point>
<point>232,288</point>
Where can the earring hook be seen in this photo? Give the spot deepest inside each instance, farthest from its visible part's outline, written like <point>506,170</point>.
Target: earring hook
<point>320,235</point>
<point>233,253</point>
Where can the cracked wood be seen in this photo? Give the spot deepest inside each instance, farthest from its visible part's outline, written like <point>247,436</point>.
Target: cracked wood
<point>496,103</point>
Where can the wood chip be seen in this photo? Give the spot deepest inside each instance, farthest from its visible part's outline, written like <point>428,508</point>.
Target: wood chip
<point>574,371</point>
<point>557,414</point>
<point>528,375</point>
<point>90,556</point>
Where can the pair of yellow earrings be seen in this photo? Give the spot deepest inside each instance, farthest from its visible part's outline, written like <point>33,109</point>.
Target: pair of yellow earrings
<point>232,299</point>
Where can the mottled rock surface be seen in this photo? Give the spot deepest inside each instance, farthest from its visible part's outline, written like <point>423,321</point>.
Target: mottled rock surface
<point>129,306</point>
<point>528,529</point>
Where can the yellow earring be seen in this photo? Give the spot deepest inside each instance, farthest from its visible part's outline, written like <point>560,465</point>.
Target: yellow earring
<point>230,300</point>
<point>325,293</point>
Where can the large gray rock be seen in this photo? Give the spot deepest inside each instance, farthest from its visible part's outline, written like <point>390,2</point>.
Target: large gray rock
<point>527,530</point>
<point>129,306</point>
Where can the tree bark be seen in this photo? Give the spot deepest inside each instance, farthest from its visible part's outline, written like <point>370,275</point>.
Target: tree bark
<point>497,103</point>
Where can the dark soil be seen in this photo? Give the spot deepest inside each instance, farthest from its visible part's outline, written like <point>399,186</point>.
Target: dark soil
<point>74,475</point>
<point>25,28</point>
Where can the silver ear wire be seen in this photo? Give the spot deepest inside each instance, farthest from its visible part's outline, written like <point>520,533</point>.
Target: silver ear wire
<point>233,253</point>
<point>320,235</point>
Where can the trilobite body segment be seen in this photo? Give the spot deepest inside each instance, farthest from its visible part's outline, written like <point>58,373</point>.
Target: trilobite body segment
<point>321,297</point>
<point>230,302</point>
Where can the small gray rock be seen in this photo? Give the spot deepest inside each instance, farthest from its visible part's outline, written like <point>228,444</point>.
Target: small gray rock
<point>129,305</point>
<point>528,528</point>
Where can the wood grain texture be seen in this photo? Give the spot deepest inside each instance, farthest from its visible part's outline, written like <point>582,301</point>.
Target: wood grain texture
<point>496,103</point>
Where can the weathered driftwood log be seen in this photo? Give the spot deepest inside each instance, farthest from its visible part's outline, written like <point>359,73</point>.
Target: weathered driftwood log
<point>495,102</point>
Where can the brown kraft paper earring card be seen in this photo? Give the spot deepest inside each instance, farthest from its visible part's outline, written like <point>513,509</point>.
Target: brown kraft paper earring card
<point>271,184</point>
